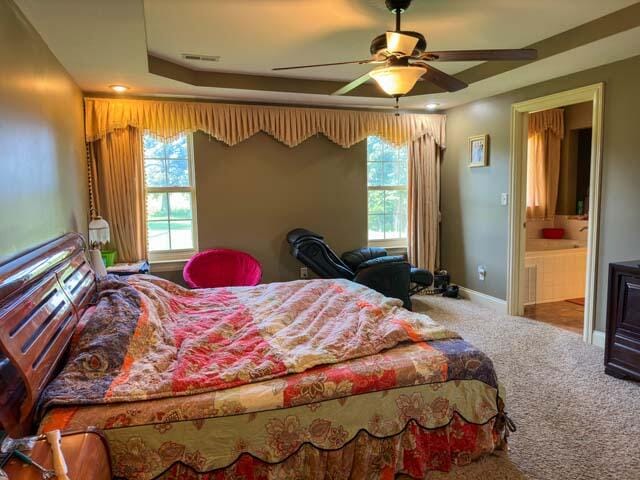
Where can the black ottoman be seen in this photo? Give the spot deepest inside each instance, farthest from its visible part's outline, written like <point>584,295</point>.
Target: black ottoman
<point>421,279</point>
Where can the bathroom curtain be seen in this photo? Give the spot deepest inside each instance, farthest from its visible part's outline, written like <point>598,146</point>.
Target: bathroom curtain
<point>546,131</point>
<point>424,202</point>
<point>118,190</point>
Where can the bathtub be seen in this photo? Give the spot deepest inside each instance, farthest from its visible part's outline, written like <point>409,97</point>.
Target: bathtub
<point>555,270</point>
<point>544,244</point>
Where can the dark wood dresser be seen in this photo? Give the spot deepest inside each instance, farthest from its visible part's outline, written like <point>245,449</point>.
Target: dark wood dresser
<point>622,349</point>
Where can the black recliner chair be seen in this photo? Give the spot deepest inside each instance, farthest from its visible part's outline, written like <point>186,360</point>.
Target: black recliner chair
<point>371,266</point>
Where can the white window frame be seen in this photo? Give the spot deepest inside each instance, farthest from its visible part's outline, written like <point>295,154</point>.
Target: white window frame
<point>388,242</point>
<point>178,255</point>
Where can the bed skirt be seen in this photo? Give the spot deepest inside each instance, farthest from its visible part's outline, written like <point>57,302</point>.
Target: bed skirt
<point>414,451</point>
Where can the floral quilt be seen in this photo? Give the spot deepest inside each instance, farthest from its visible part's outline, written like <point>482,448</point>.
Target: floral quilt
<point>148,338</point>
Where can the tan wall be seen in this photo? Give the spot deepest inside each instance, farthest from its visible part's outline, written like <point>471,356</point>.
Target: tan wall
<point>576,117</point>
<point>579,115</point>
<point>475,225</point>
<point>43,191</point>
<point>249,196</point>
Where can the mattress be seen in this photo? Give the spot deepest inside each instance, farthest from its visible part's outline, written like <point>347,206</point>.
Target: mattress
<point>429,384</point>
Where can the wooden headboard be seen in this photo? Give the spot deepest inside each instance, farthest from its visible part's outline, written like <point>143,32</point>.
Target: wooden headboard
<point>43,293</point>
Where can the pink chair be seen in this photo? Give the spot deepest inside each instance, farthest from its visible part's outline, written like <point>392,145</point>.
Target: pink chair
<point>222,267</point>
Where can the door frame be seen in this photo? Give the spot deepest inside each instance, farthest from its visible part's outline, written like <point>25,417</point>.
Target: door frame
<point>518,193</point>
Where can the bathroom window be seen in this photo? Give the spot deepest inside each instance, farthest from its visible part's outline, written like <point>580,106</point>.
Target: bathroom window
<point>170,197</point>
<point>387,193</point>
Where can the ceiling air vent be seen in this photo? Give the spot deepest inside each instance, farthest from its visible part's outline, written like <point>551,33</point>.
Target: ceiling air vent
<point>202,58</point>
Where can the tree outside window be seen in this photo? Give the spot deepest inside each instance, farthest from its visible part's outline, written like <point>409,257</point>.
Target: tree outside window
<point>387,192</point>
<point>170,196</point>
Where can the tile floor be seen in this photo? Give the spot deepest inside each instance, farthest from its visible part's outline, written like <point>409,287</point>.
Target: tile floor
<point>566,315</point>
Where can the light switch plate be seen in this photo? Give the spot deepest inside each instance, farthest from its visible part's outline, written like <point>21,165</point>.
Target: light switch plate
<point>304,272</point>
<point>482,272</point>
<point>504,199</point>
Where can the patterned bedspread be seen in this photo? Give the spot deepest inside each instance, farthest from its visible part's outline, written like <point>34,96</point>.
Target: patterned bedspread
<point>150,338</point>
<point>229,378</point>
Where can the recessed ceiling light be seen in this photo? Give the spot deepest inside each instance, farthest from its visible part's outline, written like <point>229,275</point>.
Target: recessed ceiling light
<point>118,88</point>
<point>432,106</point>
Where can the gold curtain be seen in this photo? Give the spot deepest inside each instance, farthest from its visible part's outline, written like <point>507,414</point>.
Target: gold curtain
<point>113,129</point>
<point>232,124</point>
<point>546,131</point>
<point>424,203</point>
<point>117,167</point>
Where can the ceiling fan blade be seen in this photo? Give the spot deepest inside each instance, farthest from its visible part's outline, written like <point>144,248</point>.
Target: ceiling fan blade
<point>481,55</point>
<point>354,84</point>
<point>361,62</point>
<point>441,79</point>
<point>400,43</point>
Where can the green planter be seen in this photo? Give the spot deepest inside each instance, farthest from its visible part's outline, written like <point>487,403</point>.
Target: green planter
<point>109,257</point>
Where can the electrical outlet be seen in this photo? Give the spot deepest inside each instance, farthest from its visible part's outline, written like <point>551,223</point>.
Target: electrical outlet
<point>482,272</point>
<point>504,199</point>
<point>304,272</point>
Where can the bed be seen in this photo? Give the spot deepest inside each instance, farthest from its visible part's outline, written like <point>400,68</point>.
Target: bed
<point>308,379</point>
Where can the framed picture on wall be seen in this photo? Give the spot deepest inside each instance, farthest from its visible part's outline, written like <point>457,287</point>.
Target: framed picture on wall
<point>479,151</point>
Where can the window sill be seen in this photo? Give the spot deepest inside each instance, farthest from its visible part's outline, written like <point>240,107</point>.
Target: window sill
<point>395,244</point>
<point>169,261</point>
<point>166,266</point>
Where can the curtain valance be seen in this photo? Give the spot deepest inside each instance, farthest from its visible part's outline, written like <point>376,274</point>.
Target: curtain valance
<point>547,120</point>
<point>233,123</point>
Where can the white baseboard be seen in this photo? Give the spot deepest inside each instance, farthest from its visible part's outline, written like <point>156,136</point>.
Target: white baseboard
<point>485,300</point>
<point>598,338</point>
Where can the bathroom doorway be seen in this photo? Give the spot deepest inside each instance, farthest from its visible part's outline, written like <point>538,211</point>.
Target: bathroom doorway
<point>555,188</point>
<point>557,220</point>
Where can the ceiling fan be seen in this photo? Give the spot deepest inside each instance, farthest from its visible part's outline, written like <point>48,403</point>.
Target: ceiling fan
<point>405,60</point>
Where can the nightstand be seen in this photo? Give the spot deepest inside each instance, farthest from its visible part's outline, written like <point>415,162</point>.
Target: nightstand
<point>125,269</point>
<point>86,454</point>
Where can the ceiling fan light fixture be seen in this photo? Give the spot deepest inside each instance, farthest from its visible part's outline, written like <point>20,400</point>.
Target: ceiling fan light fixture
<point>405,57</point>
<point>397,81</point>
<point>401,43</point>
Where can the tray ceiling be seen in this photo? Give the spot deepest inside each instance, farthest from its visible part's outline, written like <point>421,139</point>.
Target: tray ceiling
<point>106,42</point>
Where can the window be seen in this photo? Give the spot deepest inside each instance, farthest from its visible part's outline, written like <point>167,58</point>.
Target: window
<point>171,196</point>
<point>387,193</point>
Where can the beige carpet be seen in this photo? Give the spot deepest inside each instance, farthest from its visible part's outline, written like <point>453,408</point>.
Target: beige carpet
<point>574,422</point>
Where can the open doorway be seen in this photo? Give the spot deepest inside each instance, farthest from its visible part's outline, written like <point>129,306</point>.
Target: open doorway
<point>557,220</point>
<point>555,188</point>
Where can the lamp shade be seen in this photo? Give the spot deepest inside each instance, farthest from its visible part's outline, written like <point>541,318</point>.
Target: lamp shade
<point>397,80</point>
<point>401,43</point>
<point>99,231</point>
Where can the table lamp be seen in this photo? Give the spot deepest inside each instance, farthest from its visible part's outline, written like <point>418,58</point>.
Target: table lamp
<point>99,236</point>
